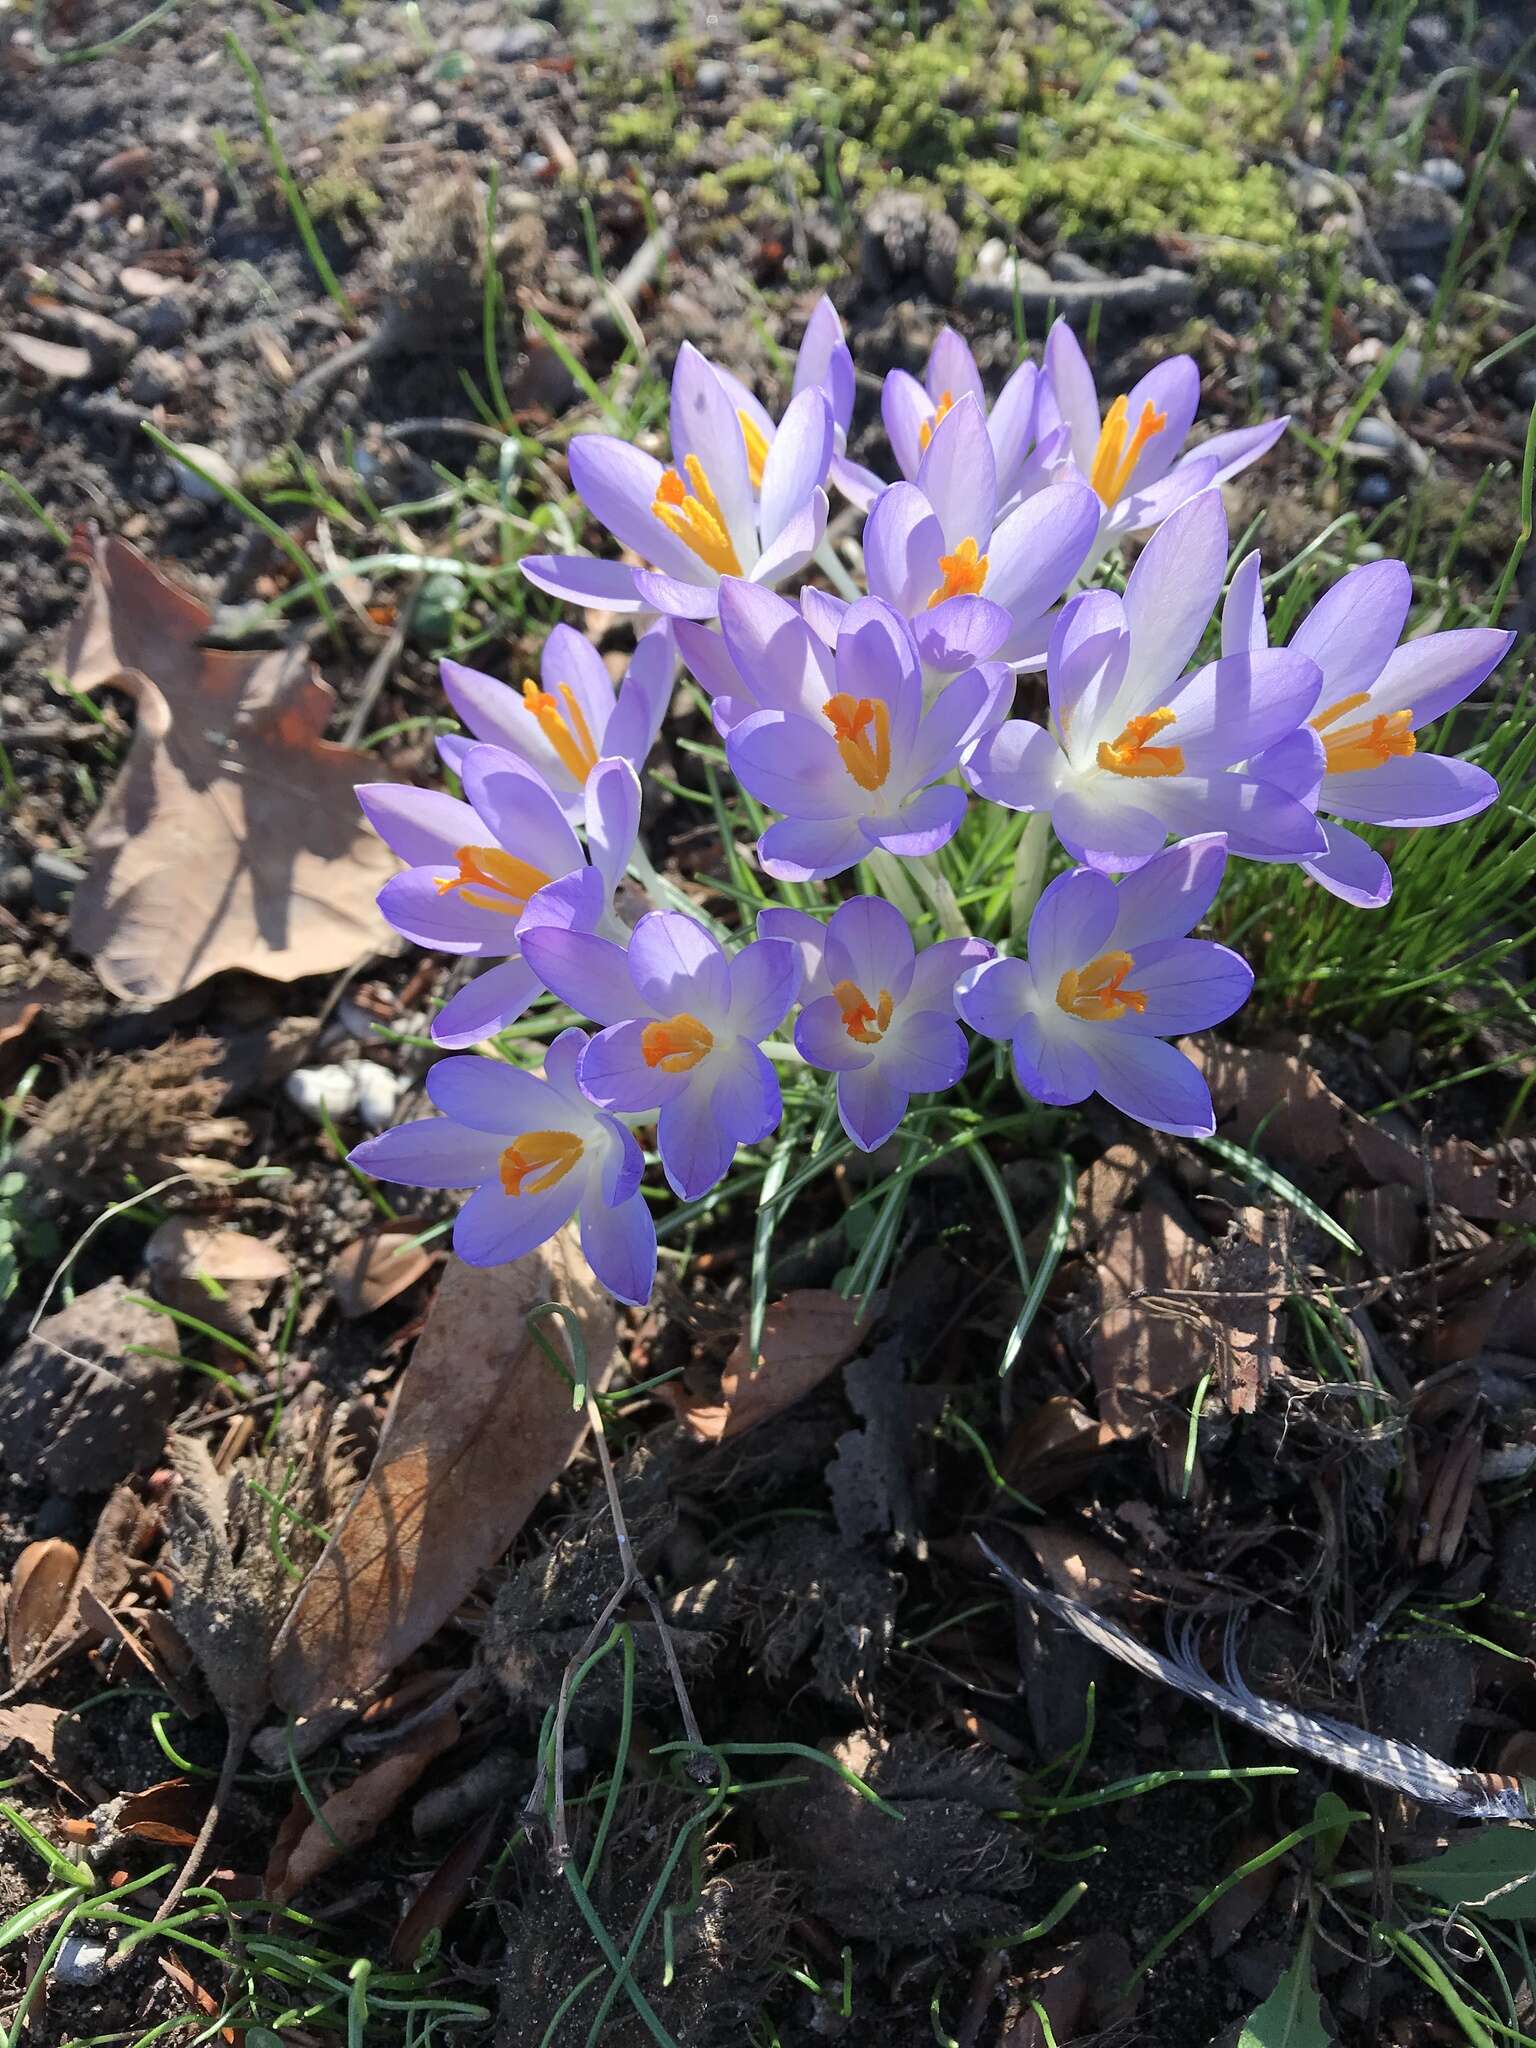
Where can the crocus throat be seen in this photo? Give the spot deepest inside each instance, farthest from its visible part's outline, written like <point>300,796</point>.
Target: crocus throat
<point>692,512</point>
<point>1130,754</point>
<point>1369,742</point>
<point>757,448</point>
<point>566,730</point>
<point>1097,992</point>
<point>534,1162</point>
<point>964,573</point>
<point>492,880</point>
<point>864,1021</point>
<point>863,728</point>
<point>942,406</point>
<point>1119,449</point>
<point>676,1044</point>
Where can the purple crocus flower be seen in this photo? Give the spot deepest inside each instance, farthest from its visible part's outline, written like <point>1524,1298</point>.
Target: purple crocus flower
<point>564,728</point>
<point>886,1027</point>
<point>1359,757</point>
<point>1134,455</point>
<point>1138,751</point>
<point>1110,975</point>
<point>537,1153</point>
<point>913,413</point>
<point>822,364</point>
<point>717,512</point>
<point>684,1027</point>
<point>480,871</point>
<point>863,769</point>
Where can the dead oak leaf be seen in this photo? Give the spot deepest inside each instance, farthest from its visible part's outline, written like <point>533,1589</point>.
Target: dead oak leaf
<point>232,836</point>
<point>806,1336</point>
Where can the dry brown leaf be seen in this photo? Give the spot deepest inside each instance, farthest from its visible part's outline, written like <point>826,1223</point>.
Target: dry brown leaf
<point>1078,1565</point>
<point>232,837</point>
<point>32,1725</point>
<point>184,1255</point>
<point>60,361</point>
<point>355,1814</point>
<point>480,1426</point>
<point>1230,1915</point>
<point>1297,1116</point>
<point>1146,1351</point>
<point>1053,1447</point>
<point>376,1267</point>
<point>170,1812</point>
<point>39,1598</point>
<point>1074,1988</point>
<point>806,1337</point>
<point>445,1890</point>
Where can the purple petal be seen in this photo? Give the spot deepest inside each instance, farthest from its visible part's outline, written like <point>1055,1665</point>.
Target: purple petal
<point>1072,386</point>
<point>808,936</point>
<point>994,996</point>
<point>486,1005</point>
<point>765,979</point>
<point>643,697</point>
<point>868,943</point>
<point>823,1039</point>
<point>1174,588</point>
<point>924,823</point>
<point>1422,789</point>
<point>617,482</point>
<point>492,1097</point>
<point>434,1152</point>
<point>1350,869</point>
<point>578,902</point>
<point>902,544</point>
<point>860,486</point>
<point>676,599</point>
<point>871,1102</point>
<point>1244,629</point>
<point>1352,629</point>
<point>823,613</point>
<point>877,657</point>
<point>616,1075</point>
<point>795,543</point>
<point>747,1102</point>
<point>1169,896</point>
<point>824,363</point>
<point>1118,830</point>
<point>939,967</point>
<point>562,1063</point>
<point>1171,387</point>
<point>612,817</point>
<point>520,811</point>
<point>584,580</point>
<point>1011,426</point>
<point>1236,707</point>
<point>589,974</point>
<point>792,765</point>
<point>676,964</point>
<point>1294,764</point>
<point>491,710</point>
<point>960,631</point>
<point>811,849</point>
<point>704,424</point>
<point>952,370</point>
<point>696,1149</point>
<point>1429,676</point>
<point>905,409</point>
<point>1261,822</point>
<point>1052,1065</point>
<point>571,659</point>
<point>1071,924</point>
<point>1234,451</point>
<point>925,1050</point>
<point>1089,652</point>
<point>1040,547</point>
<point>427,916</point>
<point>1141,511</point>
<point>1189,985</point>
<point>958,476</point>
<point>963,710</point>
<point>494,1227</point>
<point>424,827</point>
<point>624,1169</point>
<point>1154,1083</point>
<point>619,1244</point>
<point>784,665</point>
<point>709,662</point>
<point>797,463</point>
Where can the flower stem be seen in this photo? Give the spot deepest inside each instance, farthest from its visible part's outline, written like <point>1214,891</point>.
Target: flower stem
<point>888,872</point>
<point>934,883</point>
<point>827,561</point>
<point>1028,872</point>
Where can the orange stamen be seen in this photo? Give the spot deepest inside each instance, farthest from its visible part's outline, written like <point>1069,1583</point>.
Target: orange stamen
<point>676,1044</point>
<point>1369,743</point>
<point>692,512</point>
<point>1097,992</point>
<point>865,1022</point>
<point>1113,461</point>
<point>1130,754</point>
<point>863,728</point>
<point>535,1161</point>
<point>567,731</point>
<point>964,571</point>
<point>493,880</point>
<point>757,448</point>
<point>941,410</point>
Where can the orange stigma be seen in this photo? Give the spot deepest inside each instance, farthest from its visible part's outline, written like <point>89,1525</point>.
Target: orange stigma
<point>1113,460</point>
<point>1369,743</point>
<point>493,880</point>
<point>941,410</point>
<point>566,730</point>
<point>863,728</point>
<point>864,1021</point>
<point>1130,754</point>
<point>534,1162</point>
<point>676,1044</point>
<point>964,573</point>
<point>692,512</point>
<point>757,448</point>
<point>1097,992</point>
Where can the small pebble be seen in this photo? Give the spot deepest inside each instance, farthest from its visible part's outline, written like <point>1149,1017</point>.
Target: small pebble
<point>81,1961</point>
<point>322,1092</point>
<point>55,878</point>
<point>1525,390</point>
<point>425,114</point>
<point>1378,434</point>
<point>1404,378</point>
<point>1374,491</point>
<point>528,39</point>
<point>1443,172</point>
<point>712,79</point>
<point>15,886</point>
<point>378,1092</point>
<point>220,471</point>
<point>1419,290</point>
<point>156,377</point>
<point>345,56</point>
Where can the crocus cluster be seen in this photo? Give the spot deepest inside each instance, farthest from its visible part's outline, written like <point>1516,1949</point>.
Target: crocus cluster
<point>873,726</point>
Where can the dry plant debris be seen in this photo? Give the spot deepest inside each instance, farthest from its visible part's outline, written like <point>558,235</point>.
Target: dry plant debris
<point>85,1398</point>
<point>807,1335</point>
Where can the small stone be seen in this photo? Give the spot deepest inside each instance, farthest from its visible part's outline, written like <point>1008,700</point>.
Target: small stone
<point>220,473</point>
<point>1443,172</point>
<point>712,79</point>
<point>1419,290</point>
<point>1378,434</point>
<point>1431,35</point>
<point>13,637</point>
<point>904,240</point>
<point>1070,269</point>
<point>378,1093</point>
<point>1403,380</point>
<point>523,42</point>
<point>1006,129</point>
<point>1525,390</point>
<point>322,1092</point>
<point>424,115</point>
<point>55,878</point>
<point>1375,490</point>
<point>15,886</point>
<point>533,164</point>
<point>81,1961</point>
<point>157,377</point>
<point>345,56</point>
<point>991,258</point>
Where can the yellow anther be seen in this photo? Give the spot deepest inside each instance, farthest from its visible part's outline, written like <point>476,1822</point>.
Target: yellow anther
<point>964,573</point>
<point>534,1162</point>
<point>864,1021</point>
<point>941,410</point>
<point>567,731</point>
<point>1097,992</point>
<point>1130,754</point>
<point>1113,461</point>
<point>676,1044</point>
<point>757,448</point>
<point>1369,742</point>
<point>863,728</point>
<point>692,512</point>
<point>493,880</point>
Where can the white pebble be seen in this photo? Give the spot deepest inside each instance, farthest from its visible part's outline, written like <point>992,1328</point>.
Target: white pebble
<point>323,1092</point>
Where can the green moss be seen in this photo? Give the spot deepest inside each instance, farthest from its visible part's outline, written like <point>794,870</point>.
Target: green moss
<point>652,129</point>
<point>342,196</point>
